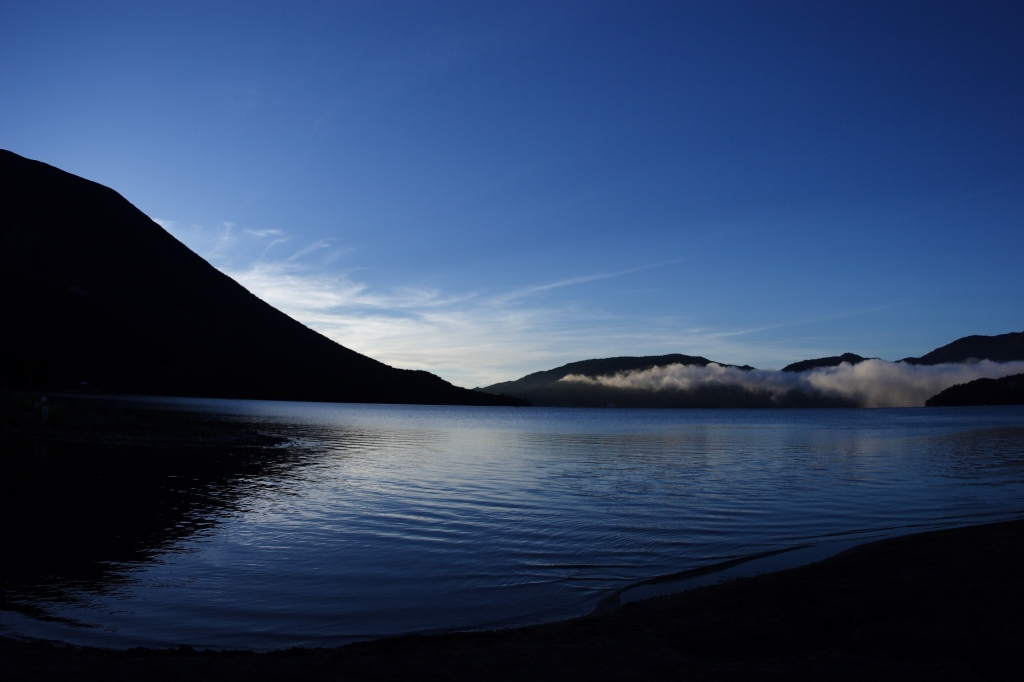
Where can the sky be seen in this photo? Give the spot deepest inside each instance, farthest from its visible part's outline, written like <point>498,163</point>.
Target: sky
<point>487,189</point>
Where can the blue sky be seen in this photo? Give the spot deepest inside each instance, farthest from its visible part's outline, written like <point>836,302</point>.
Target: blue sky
<point>488,189</point>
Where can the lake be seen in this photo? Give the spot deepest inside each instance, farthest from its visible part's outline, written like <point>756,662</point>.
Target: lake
<point>385,519</point>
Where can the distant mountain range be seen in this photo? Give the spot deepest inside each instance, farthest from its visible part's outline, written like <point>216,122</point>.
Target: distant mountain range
<point>94,293</point>
<point>547,388</point>
<point>633,381</point>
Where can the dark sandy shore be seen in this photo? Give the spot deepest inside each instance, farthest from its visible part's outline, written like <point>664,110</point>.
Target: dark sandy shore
<point>941,605</point>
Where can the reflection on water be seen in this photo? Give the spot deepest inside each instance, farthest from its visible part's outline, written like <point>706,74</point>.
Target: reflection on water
<point>77,515</point>
<point>387,519</point>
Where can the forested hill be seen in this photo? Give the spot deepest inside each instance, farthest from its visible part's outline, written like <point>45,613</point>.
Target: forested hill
<point>830,361</point>
<point>546,387</point>
<point>999,348</point>
<point>595,368</point>
<point>1005,391</point>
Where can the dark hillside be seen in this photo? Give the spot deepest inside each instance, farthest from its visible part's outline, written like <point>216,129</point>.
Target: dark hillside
<point>597,368</point>
<point>999,348</point>
<point>1005,391</point>
<point>91,290</point>
<point>545,388</point>
<point>831,361</point>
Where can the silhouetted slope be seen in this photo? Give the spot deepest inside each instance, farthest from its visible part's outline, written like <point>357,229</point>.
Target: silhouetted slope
<point>91,290</point>
<point>831,361</point>
<point>596,368</point>
<point>1005,391</point>
<point>545,388</point>
<point>1000,348</point>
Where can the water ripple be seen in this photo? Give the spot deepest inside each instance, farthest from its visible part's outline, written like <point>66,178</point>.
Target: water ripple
<point>391,519</point>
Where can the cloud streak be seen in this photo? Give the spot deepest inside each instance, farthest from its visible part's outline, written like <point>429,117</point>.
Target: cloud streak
<point>872,383</point>
<point>471,338</point>
<point>527,291</point>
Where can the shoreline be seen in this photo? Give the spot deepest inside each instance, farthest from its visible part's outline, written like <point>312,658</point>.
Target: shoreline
<point>945,604</point>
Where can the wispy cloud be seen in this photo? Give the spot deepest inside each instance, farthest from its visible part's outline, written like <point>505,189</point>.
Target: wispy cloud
<point>472,338</point>
<point>319,245</point>
<point>534,289</point>
<point>212,244</point>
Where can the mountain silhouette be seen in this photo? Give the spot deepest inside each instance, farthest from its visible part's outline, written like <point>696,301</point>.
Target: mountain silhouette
<point>94,292</point>
<point>596,368</point>
<point>546,388</point>
<point>999,348</point>
<point>1005,391</point>
<point>831,361</point>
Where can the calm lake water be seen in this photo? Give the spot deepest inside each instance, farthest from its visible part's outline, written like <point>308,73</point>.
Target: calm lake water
<point>387,519</point>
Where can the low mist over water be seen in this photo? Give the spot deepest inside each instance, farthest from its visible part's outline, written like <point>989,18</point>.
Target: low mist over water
<point>379,519</point>
<point>870,383</point>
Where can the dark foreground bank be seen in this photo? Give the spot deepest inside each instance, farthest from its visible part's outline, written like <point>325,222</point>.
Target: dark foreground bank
<point>939,605</point>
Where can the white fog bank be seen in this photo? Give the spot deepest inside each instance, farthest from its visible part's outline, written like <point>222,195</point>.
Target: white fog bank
<point>872,383</point>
